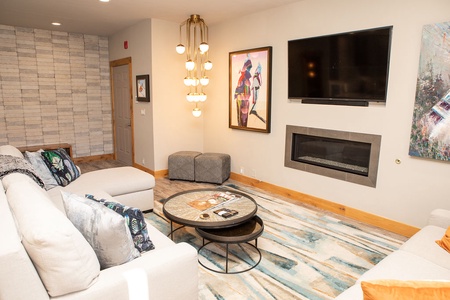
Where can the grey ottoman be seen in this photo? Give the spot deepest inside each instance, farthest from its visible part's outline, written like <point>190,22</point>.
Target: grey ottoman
<point>182,165</point>
<point>212,167</point>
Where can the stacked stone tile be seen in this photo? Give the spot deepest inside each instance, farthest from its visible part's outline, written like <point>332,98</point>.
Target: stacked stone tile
<point>55,88</point>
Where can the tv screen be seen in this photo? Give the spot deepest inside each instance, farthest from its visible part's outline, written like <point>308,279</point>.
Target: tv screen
<point>344,67</point>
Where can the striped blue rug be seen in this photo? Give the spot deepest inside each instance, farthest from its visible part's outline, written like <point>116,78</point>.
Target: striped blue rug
<point>306,254</point>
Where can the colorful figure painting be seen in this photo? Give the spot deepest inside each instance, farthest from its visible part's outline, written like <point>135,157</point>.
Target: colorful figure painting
<point>430,131</point>
<point>250,89</point>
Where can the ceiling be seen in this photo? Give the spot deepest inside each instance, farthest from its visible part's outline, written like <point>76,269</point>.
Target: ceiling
<point>104,19</point>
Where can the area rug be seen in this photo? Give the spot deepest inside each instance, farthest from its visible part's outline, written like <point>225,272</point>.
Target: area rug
<point>306,254</point>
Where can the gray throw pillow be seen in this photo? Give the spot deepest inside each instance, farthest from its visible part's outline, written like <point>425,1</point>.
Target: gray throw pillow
<point>104,229</point>
<point>39,166</point>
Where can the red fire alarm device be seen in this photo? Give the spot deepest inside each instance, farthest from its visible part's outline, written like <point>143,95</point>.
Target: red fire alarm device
<point>125,44</point>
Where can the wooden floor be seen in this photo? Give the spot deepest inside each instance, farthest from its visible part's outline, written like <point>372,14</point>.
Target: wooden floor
<point>165,187</point>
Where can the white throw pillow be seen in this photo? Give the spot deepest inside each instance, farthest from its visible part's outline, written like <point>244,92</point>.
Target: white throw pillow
<point>63,258</point>
<point>105,230</point>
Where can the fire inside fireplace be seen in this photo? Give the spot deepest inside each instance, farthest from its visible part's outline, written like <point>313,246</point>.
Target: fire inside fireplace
<point>342,155</point>
<point>347,156</point>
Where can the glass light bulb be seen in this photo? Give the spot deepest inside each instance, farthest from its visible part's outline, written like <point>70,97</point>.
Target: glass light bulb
<point>204,80</point>
<point>203,47</point>
<point>190,97</point>
<point>202,97</point>
<point>195,81</point>
<point>188,81</point>
<point>196,112</point>
<point>208,65</point>
<point>180,48</point>
<point>190,65</point>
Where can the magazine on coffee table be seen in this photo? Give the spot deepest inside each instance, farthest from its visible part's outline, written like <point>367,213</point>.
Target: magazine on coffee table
<point>225,212</point>
<point>213,200</point>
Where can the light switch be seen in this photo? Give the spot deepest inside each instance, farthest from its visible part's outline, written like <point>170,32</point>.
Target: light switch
<point>143,112</point>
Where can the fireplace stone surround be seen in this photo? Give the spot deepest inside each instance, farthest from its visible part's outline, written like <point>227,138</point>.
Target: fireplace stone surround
<point>342,155</point>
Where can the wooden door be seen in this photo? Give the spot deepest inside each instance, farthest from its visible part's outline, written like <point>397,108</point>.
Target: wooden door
<point>123,114</point>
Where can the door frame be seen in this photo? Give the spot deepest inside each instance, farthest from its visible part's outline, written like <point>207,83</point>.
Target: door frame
<point>112,64</point>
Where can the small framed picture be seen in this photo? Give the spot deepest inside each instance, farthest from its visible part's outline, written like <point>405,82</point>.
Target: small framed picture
<point>143,88</point>
<point>250,83</point>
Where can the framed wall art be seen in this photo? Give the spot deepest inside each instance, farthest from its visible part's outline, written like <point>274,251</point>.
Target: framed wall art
<point>143,88</point>
<point>430,130</point>
<point>250,82</point>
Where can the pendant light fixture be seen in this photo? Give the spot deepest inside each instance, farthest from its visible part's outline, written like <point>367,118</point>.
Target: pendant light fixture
<point>197,63</point>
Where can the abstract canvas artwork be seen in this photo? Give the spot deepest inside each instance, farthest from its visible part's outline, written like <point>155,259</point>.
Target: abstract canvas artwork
<point>250,89</point>
<point>430,130</point>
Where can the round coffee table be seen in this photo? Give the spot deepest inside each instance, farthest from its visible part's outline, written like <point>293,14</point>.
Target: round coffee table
<point>207,208</point>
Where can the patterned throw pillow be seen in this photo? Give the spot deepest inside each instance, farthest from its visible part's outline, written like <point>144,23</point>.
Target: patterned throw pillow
<point>61,166</point>
<point>135,221</point>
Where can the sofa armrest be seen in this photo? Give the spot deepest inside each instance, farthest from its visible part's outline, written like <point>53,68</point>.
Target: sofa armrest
<point>440,217</point>
<point>167,273</point>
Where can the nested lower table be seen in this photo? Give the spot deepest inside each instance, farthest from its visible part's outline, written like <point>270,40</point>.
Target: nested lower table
<point>242,233</point>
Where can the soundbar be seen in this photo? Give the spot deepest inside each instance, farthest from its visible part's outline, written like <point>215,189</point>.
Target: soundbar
<point>336,102</point>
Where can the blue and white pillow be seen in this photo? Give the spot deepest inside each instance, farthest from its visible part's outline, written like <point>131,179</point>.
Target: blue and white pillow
<point>61,166</point>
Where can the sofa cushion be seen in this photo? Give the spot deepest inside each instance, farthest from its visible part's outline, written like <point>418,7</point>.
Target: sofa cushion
<point>405,290</point>
<point>135,221</point>
<point>445,241</point>
<point>61,166</point>
<point>114,181</point>
<point>10,150</point>
<point>15,265</point>
<point>65,261</point>
<point>35,159</point>
<point>105,230</point>
<point>423,244</point>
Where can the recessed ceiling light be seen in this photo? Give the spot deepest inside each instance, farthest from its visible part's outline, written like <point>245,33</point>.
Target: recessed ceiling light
<point>56,23</point>
<point>104,0</point>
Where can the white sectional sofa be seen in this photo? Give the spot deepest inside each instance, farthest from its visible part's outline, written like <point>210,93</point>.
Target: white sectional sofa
<point>42,255</point>
<point>418,259</point>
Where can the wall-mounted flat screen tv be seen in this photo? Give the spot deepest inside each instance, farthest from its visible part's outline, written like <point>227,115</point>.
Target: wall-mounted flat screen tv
<point>349,68</point>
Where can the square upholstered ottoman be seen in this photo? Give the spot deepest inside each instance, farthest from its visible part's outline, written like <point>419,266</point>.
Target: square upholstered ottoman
<point>182,165</point>
<point>212,167</point>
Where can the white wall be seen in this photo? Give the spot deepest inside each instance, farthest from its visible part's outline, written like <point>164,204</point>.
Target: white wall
<point>405,192</point>
<point>168,125</point>
<point>140,51</point>
<point>175,129</point>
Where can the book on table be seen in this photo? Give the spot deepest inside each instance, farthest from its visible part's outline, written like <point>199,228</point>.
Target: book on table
<point>212,200</point>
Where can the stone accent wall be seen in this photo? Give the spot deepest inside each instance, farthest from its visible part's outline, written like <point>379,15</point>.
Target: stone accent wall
<point>55,88</point>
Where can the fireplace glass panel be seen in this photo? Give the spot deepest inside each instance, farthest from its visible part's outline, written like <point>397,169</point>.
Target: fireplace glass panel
<point>337,154</point>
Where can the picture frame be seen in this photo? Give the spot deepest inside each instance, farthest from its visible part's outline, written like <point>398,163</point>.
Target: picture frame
<point>250,89</point>
<point>143,88</point>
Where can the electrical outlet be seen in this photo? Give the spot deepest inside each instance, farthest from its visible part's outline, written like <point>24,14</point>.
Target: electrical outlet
<point>143,161</point>
<point>242,170</point>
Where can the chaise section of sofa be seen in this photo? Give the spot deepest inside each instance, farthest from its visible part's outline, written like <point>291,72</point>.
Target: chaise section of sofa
<point>418,259</point>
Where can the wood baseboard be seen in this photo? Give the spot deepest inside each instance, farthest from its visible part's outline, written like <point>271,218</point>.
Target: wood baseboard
<point>359,215</point>
<point>355,214</point>
<point>156,174</point>
<point>93,158</point>
<point>161,173</point>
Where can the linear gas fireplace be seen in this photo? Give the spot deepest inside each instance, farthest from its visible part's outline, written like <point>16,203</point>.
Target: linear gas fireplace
<point>342,155</point>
